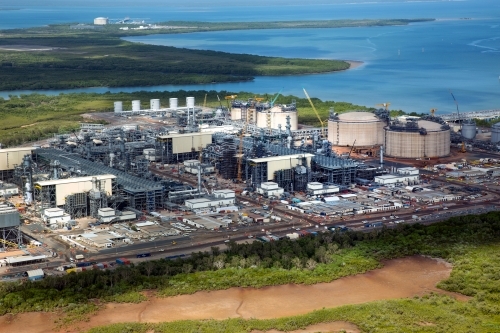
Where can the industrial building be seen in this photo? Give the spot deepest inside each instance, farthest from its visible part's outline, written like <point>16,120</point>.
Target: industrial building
<point>10,158</point>
<point>10,223</point>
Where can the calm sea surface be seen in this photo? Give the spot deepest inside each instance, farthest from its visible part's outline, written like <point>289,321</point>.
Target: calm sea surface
<point>414,67</point>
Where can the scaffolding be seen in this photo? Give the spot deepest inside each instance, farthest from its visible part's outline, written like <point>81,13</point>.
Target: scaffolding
<point>76,205</point>
<point>228,162</point>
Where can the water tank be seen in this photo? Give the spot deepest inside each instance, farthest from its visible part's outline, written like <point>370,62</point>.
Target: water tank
<point>154,104</point>
<point>118,106</point>
<point>469,129</point>
<point>136,105</point>
<point>173,103</point>
<point>495,133</point>
<point>190,102</point>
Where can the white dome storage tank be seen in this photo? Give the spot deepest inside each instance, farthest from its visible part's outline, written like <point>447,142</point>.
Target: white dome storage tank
<point>173,103</point>
<point>154,104</point>
<point>136,105</point>
<point>364,127</point>
<point>426,139</point>
<point>495,133</point>
<point>190,102</point>
<point>278,117</point>
<point>118,106</point>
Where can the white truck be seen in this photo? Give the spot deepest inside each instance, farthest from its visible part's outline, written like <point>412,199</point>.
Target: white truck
<point>79,257</point>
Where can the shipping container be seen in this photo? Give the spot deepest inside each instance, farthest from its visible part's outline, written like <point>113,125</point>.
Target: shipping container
<point>122,261</point>
<point>83,264</point>
<point>79,257</point>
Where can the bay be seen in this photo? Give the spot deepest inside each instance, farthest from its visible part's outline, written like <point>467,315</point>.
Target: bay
<point>414,67</point>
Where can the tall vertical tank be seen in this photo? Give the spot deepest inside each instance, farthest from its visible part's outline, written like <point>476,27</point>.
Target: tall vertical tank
<point>136,105</point>
<point>173,103</point>
<point>469,129</point>
<point>118,106</point>
<point>190,102</point>
<point>495,133</point>
<point>154,104</point>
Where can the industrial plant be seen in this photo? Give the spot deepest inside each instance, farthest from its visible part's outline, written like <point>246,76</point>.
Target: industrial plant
<point>192,158</point>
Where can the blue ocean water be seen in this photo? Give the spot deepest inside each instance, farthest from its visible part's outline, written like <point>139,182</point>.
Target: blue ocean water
<point>414,67</point>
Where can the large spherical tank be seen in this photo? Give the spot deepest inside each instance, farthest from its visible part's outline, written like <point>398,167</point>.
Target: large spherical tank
<point>278,117</point>
<point>469,130</point>
<point>136,105</point>
<point>495,133</point>
<point>118,106</point>
<point>190,102</point>
<point>405,144</point>
<point>154,104</point>
<point>173,103</point>
<point>364,127</point>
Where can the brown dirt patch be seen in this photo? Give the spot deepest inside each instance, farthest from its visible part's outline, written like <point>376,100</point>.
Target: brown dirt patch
<point>399,278</point>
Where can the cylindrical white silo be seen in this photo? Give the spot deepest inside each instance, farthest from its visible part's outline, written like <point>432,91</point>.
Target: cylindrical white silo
<point>118,106</point>
<point>190,102</point>
<point>495,133</point>
<point>154,104</point>
<point>136,105</point>
<point>173,103</point>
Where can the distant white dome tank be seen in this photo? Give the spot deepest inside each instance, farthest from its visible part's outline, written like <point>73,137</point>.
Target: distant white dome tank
<point>118,106</point>
<point>190,102</point>
<point>173,103</point>
<point>154,104</point>
<point>364,127</point>
<point>278,117</point>
<point>136,105</point>
<point>495,133</point>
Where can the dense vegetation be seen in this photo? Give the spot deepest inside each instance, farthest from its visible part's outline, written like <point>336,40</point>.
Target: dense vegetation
<point>470,242</point>
<point>32,117</point>
<point>71,58</point>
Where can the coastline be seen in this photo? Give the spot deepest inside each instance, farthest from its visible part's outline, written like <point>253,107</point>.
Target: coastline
<point>354,64</point>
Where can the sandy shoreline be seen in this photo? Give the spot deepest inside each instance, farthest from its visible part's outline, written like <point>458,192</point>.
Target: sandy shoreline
<point>354,63</point>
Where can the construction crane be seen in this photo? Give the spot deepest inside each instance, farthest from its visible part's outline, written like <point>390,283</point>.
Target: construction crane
<point>462,148</point>
<point>352,148</point>
<point>433,111</point>
<point>315,111</point>
<point>275,98</point>
<point>385,105</point>
<point>205,101</point>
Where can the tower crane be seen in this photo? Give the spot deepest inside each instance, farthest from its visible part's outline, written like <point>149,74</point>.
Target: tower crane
<point>462,148</point>
<point>385,105</point>
<point>315,111</point>
<point>205,101</point>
